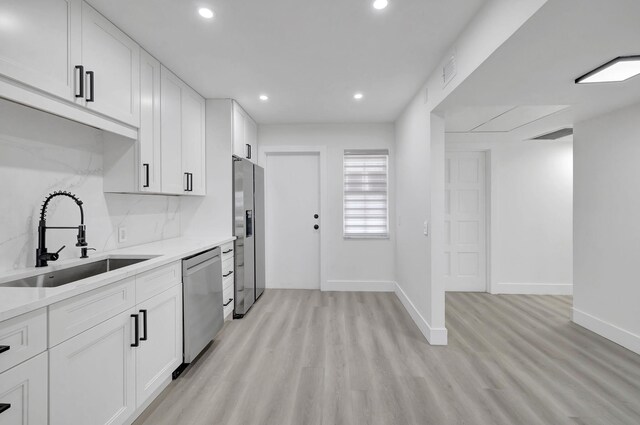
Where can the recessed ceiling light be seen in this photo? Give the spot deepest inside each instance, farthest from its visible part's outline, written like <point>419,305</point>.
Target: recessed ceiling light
<point>205,12</point>
<point>358,96</point>
<point>264,97</point>
<point>380,4</point>
<point>619,69</point>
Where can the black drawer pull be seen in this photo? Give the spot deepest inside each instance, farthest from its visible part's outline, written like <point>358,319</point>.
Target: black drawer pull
<point>144,325</point>
<point>146,175</point>
<point>81,82</point>
<point>136,331</point>
<point>4,348</point>
<point>228,302</point>
<point>4,406</point>
<point>227,251</point>
<point>90,74</point>
<point>228,274</point>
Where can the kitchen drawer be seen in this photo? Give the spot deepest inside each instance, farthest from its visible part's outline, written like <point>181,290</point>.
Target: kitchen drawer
<point>75,315</point>
<point>227,282</point>
<point>227,251</point>
<point>25,388</point>
<point>25,336</point>
<point>227,294</point>
<point>158,280</point>
<point>227,268</point>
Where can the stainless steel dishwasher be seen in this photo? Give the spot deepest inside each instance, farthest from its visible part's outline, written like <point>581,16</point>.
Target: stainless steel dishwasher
<point>202,301</point>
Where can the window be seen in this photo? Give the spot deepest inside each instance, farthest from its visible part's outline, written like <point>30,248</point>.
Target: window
<point>366,197</point>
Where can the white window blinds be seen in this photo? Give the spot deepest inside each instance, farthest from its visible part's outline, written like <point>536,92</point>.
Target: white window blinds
<point>366,197</point>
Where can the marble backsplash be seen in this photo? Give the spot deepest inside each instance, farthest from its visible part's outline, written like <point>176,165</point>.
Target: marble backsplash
<point>41,153</point>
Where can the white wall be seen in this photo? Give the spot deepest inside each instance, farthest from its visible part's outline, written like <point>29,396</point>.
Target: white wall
<point>420,164</point>
<point>349,262</point>
<point>606,226</point>
<point>531,213</point>
<point>41,153</point>
<point>211,216</point>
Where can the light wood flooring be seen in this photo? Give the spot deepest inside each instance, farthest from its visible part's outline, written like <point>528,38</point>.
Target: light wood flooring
<point>306,357</point>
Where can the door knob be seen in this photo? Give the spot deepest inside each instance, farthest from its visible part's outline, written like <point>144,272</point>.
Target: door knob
<point>315,226</point>
<point>316,216</point>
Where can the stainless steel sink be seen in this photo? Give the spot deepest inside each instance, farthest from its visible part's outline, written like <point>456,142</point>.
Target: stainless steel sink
<point>73,274</point>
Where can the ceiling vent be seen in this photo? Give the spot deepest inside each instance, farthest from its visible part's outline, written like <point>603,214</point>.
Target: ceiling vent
<point>555,135</point>
<point>449,70</point>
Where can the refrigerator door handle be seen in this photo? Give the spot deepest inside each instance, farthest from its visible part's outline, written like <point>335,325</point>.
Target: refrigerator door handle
<point>249,223</point>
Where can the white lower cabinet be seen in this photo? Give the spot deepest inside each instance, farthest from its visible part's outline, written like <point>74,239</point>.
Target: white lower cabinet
<point>92,375</point>
<point>160,350</point>
<point>103,375</point>
<point>23,393</point>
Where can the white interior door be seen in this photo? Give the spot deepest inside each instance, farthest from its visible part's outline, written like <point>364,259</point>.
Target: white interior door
<point>465,222</point>
<point>292,199</point>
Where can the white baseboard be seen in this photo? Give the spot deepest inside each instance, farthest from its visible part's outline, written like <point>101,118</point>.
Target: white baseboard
<point>359,286</point>
<point>435,336</point>
<point>618,335</point>
<point>533,288</point>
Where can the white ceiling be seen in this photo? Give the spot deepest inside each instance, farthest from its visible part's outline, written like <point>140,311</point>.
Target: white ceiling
<point>563,41</point>
<point>310,57</point>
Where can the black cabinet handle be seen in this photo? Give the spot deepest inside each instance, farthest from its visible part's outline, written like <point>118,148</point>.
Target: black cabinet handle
<point>136,331</point>
<point>81,83</point>
<point>228,302</point>
<point>4,348</point>
<point>146,175</point>
<point>315,226</point>
<point>144,325</point>
<point>190,182</point>
<point>92,80</point>
<point>228,274</point>
<point>248,151</point>
<point>227,251</point>
<point>4,406</point>
<point>186,176</point>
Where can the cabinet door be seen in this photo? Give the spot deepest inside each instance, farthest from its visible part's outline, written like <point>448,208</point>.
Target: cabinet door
<point>38,42</point>
<point>92,375</point>
<point>114,60</point>
<point>193,141</point>
<point>173,180</point>
<point>251,140</point>
<point>160,353</point>
<point>239,124</point>
<point>149,133</point>
<point>24,388</point>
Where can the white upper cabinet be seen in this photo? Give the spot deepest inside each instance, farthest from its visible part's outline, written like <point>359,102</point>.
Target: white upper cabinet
<point>171,134</point>
<point>245,134</point>
<point>38,42</point>
<point>193,141</point>
<point>149,168</point>
<point>111,62</point>
<point>182,137</point>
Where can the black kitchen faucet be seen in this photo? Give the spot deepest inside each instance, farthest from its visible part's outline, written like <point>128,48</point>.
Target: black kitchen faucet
<point>42,256</point>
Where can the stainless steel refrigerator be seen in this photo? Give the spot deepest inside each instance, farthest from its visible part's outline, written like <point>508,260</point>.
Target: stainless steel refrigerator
<point>248,225</point>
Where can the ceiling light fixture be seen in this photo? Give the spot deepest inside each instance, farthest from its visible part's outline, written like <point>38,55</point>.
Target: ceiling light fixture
<point>380,4</point>
<point>618,70</point>
<point>205,12</point>
<point>264,97</point>
<point>358,96</point>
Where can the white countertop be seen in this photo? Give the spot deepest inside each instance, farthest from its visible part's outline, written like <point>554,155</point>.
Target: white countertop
<point>16,301</point>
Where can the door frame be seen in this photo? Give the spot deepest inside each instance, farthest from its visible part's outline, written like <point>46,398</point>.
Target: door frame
<point>265,152</point>
<point>488,205</point>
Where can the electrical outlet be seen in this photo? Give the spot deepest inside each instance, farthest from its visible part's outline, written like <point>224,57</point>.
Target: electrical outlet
<point>426,228</point>
<point>122,234</point>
